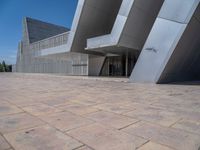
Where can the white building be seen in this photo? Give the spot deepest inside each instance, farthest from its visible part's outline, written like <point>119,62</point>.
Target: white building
<point>156,41</point>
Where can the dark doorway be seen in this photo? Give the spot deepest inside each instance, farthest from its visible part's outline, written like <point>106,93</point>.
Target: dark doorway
<point>121,65</point>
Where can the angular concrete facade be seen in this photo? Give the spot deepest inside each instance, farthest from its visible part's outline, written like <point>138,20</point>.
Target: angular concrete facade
<point>37,36</point>
<point>150,41</point>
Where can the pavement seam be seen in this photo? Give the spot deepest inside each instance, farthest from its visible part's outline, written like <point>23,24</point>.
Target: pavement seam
<point>171,126</point>
<point>129,125</point>
<point>143,144</point>
<point>7,142</point>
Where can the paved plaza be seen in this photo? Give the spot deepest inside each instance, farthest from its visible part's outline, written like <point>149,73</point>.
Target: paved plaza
<point>48,112</point>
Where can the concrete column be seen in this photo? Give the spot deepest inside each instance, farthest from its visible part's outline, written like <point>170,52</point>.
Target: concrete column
<point>163,39</point>
<point>127,64</point>
<point>108,67</point>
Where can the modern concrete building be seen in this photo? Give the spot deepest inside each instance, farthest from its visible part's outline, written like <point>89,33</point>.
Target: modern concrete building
<point>154,41</point>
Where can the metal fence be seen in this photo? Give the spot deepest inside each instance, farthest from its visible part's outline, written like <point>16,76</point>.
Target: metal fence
<point>50,42</point>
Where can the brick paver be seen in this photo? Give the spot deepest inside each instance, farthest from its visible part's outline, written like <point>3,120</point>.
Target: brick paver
<point>48,112</point>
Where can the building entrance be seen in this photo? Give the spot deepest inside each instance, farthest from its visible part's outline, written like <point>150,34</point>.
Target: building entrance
<point>119,65</point>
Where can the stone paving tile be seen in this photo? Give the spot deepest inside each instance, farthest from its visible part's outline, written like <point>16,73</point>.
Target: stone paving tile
<point>78,109</point>
<point>146,99</point>
<point>111,119</point>
<point>100,137</point>
<point>42,138</point>
<point>65,121</point>
<point>161,117</point>
<point>188,125</point>
<point>189,115</point>
<point>20,100</point>
<point>84,148</point>
<point>143,106</point>
<point>115,108</point>
<point>87,102</point>
<point>7,109</point>
<point>180,104</point>
<point>3,144</point>
<point>183,113</point>
<point>17,122</point>
<point>173,138</point>
<point>154,146</point>
<point>24,103</point>
<point>40,109</point>
<point>11,96</point>
<point>170,113</point>
<point>57,102</point>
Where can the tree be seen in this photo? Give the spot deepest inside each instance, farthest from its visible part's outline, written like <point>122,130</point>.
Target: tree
<point>1,68</point>
<point>4,66</point>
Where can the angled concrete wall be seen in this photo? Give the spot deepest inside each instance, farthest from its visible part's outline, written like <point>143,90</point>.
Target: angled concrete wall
<point>184,63</point>
<point>171,29</point>
<point>95,65</point>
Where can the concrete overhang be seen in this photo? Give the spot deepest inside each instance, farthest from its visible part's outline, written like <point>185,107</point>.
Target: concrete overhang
<point>59,51</point>
<point>113,49</point>
<point>92,18</point>
<point>131,28</point>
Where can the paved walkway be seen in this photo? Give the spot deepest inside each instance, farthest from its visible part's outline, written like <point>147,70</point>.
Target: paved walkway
<point>46,112</point>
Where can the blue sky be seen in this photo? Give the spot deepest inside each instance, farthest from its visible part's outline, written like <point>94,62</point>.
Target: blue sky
<point>12,12</point>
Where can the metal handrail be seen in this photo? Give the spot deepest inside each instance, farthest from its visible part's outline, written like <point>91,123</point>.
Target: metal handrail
<point>50,42</point>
